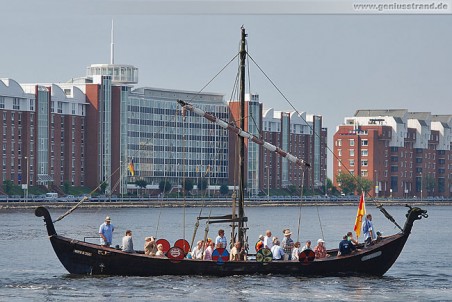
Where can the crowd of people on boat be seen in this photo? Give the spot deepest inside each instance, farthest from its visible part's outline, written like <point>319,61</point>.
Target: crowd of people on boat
<point>281,250</point>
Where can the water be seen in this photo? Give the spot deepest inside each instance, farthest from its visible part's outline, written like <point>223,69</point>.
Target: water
<point>30,270</point>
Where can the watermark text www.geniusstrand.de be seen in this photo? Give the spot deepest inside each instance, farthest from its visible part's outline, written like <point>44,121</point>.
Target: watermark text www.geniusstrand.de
<point>402,7</point>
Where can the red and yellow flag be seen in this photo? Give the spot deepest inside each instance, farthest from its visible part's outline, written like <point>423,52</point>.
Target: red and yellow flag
<point>131,167</point>
<point>359,215</point>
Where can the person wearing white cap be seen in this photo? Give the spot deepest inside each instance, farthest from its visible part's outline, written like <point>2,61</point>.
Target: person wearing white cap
<point>320,249</point>
<point>106,232</point>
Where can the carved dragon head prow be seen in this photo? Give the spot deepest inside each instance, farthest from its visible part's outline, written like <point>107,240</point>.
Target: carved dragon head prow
<point>415,213</point>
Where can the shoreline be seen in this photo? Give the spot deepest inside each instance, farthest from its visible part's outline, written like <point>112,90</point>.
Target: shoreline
<point>192,204</point>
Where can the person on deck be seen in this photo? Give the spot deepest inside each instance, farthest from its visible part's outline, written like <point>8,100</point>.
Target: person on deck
<point>307,246</point>
<point>296,251</point>
<point>160,252</point>
<point>196,253</point>
<point>346,247</point>
<point>127,242</point>
<point>277,251</point>
<point>320,249</point>
<point>268,242</point>
<point>351,239</point>
<point>368,230</point>
<point>106,232</point>
<point>209,250</point>
<point>237,252</point>
<point>150,248</point>
<point>260,243</point>
<point>221,241</point>
<point>287,245</point>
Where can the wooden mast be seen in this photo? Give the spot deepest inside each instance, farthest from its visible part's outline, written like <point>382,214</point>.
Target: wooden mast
<point>241,197</point>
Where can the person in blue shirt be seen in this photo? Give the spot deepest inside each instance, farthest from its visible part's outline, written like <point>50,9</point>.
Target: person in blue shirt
<point>106,232</point>
<point>346,247</point>
<point>368,230</point>
<point>221,241</point>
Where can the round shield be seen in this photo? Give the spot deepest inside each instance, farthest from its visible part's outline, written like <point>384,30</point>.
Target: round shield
<point>166,245</point>
<point>175,253</point>
<point>183,244</point>
<point>306,256</point>
<point>264,255</point>
<point>220,255</point>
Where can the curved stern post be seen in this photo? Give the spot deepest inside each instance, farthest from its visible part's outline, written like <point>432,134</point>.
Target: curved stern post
<point>43,212</point>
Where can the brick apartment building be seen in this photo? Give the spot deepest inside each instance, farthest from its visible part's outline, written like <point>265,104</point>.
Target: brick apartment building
<point>404,154</point>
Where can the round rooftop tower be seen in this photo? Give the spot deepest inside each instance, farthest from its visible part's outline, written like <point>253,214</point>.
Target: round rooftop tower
<point>120,74</point>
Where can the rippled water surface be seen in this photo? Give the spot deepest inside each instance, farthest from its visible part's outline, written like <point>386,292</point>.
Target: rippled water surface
<point>30,270</point>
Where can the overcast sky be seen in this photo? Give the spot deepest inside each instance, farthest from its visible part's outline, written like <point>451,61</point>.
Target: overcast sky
<point>325,64</point>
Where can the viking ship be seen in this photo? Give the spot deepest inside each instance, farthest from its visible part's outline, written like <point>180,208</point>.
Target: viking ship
<point>85,258</point>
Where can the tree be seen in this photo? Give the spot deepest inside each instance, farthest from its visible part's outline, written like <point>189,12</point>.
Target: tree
<point>141,183</point>
<point>165,186</point>
<point>66,187</point>
<point>8,186</point>
<point>188,185</point>
<point>224,189</point>
<point>364,185</point>
<point>347,183</point>
<point>102,187</point>
<point>430,184</point>
<point>202,184</point>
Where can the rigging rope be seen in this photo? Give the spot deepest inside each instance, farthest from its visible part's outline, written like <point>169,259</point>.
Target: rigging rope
<point>299,114</point>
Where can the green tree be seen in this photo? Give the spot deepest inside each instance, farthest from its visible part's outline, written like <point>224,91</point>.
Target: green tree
<point>188,185</point>
<point>430,184</point>
<point>224,189</point>
<point>165,186</point>
<point>141,183</point>
<point>347,183</point>
<point>202,184</point>
<point>103,187</point>
<point>364,185</point>
<point>66,186</point>
<point>8,186</point>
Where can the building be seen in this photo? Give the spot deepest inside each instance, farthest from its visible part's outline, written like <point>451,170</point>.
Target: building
<point>42,134</point>
<point>403,154</point>
<point>301,135</point>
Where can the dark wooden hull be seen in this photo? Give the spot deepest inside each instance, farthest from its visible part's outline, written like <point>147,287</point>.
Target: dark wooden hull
<point>84,258</point>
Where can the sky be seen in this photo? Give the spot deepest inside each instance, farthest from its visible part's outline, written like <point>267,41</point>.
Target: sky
<point>328,62</point>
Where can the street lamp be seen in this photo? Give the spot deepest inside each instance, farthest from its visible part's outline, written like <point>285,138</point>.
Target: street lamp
<point>377,187</point>
<point>26,179</point>
<point>268,182</point>
<point>421,185</point>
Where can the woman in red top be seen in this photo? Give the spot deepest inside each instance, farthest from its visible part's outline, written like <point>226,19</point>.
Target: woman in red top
<point>320,250</point>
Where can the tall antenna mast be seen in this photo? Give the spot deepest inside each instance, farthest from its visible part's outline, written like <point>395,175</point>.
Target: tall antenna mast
<point>112,46</point>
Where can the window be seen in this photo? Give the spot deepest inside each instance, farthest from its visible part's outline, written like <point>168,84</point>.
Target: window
<point>352,152</point>
<point>351,142</point>
<point>364,153</point>
<point>339,152</point>
<point>16,104</point>
<point>32,105</point>
<point>352,162</point>
<point>364,142</point>
<point>2,102</point>
<point>364,163</point>
<point>339,142</point>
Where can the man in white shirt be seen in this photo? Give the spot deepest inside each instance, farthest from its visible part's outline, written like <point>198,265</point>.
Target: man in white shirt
<point>268,241</point>
<point>277,251</point>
